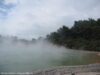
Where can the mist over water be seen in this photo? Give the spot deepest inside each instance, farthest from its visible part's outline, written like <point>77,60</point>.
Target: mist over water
<point>21,57</point>
<point>28,57</point>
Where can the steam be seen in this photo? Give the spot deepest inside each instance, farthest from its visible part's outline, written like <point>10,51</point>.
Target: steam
<point>28,57</point>
<point>20,55</point>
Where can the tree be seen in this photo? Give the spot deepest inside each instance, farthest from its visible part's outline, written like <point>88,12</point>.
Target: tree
<point>84,34</point>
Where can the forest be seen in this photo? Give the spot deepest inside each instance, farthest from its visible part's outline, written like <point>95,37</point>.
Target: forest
<point>83,35</point>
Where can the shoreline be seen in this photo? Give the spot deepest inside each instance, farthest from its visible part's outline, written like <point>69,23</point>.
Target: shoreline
<point>94,52</point>
<point>87,51</point>
<point>68,70</point>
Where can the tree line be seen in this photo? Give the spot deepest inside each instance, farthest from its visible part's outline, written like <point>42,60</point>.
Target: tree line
<point>84,34</point>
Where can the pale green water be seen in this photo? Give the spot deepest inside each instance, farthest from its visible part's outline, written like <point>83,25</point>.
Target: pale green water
<point>29,58</point>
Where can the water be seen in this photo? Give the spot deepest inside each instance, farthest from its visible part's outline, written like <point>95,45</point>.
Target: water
<point>28,58</point>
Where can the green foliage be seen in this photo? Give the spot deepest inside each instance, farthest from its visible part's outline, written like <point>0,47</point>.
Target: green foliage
<point>84,34</point>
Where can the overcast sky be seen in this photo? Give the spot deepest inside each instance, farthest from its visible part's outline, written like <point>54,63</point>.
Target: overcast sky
<point>34,18</point>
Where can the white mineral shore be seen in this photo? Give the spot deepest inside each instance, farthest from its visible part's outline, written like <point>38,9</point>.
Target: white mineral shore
<point>91,69</point>
<point>86,73</point>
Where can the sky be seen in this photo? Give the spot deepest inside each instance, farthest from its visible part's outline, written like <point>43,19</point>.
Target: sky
<point>35,18</point>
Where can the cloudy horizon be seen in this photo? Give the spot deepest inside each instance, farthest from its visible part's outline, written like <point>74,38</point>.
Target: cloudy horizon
<point>35,18</point>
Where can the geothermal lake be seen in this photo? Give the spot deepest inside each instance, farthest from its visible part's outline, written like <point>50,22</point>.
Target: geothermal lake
<point>28,58</point>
